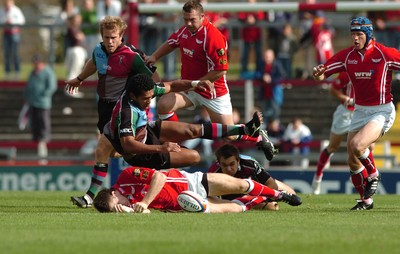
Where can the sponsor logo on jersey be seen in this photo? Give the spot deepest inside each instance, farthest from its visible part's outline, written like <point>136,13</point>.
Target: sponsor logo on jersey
<point>352,62</point>
<point>136,172</point>
<point>188,52</point>
<point>199,41</point>
<point>184,36</point>
<point>125,130</point>
<point>376,60</point>
<point>363,75</point>
<point>121,58</point>
<point>101,55</point>
<point>221,52</point>
<point>145,174</point>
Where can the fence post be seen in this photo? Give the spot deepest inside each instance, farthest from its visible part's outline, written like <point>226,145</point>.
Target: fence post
<point>133,23</point>
<point>387,151</point>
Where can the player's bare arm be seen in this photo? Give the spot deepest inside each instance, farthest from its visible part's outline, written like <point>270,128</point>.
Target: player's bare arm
<point>163,50</point>
<point>132,146</point>
<point>88,70</point>
<point>156,184</point>
<point>213,75</point>
<point>183,85</point>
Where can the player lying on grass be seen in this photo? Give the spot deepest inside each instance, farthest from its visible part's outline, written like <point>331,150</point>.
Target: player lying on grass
<point>231,162</point>
<point>155,144</point>
<point>142,188</point>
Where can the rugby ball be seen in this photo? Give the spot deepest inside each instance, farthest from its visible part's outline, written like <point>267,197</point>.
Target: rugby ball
<point>192,202</point>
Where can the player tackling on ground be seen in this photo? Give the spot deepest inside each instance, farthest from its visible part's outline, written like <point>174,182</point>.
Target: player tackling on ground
<point>142,188</point>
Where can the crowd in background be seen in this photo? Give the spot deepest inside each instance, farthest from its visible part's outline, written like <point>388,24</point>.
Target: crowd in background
<point>286,33</point>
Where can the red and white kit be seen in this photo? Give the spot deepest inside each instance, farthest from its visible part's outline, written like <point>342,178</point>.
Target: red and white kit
<point>370,74</point>
<point>202,52</point>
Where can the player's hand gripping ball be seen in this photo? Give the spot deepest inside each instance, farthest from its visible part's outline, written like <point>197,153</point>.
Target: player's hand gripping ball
<point>192,202</point>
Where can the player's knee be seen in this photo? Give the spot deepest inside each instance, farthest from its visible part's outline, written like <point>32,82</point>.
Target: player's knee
<point>190,157</point>
<point>193,131</point>
<point>164,104</point>
<point>195,157</point>
<point>231,138</point>
<point>356,149</point>
<point>102,152</point>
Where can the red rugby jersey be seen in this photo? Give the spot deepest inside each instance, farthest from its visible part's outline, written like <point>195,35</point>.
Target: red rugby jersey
<point>202,52</point>
<point>134,182</point>
<point>370,74</point>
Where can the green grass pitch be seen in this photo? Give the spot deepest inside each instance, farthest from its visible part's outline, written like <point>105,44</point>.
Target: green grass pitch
<point>47,222</point>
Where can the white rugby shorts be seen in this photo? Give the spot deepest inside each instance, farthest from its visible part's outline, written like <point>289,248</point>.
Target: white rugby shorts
<point>383,114</point>
<point>194,183</point>
<point>221,105</point>
<point>341,120</point>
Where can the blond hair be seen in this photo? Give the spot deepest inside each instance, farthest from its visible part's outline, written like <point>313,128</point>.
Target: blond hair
<point>113,23</point>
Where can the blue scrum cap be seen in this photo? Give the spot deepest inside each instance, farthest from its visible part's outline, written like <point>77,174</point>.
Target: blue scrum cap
<point>364,25</point>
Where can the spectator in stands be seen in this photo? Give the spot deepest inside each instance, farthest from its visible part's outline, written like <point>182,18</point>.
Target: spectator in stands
<point>251,37</point>
<point>89,26</point>
<point>392,16</point>
<point>139,188</point>
<point>275,18</point>
<point>12,16</point>
<point>170,60</point>
<point>219,20</point>
<point>41,86</point>
<point>108,8</point>
<point>369,65</point>
<point>297,138</point>
<point>381,31</point>
<point>285,48</point>
<point>76,52</point>
<point>231,162</point>
<point>112,74</point>
<point>275,131</point>
<point>306,19</point>
<point>272,96</point>
<point>148,29</point>
<point>68,9</point>
<point>323,35</point>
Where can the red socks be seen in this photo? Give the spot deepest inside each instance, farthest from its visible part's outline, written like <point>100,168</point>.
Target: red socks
<point>257,189</point>
<point>358,179</point>
<point>367,159</point>
<point>170,116</point>
<point>248,138</point>
<point>248,202</point>
<point>323,160</point>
